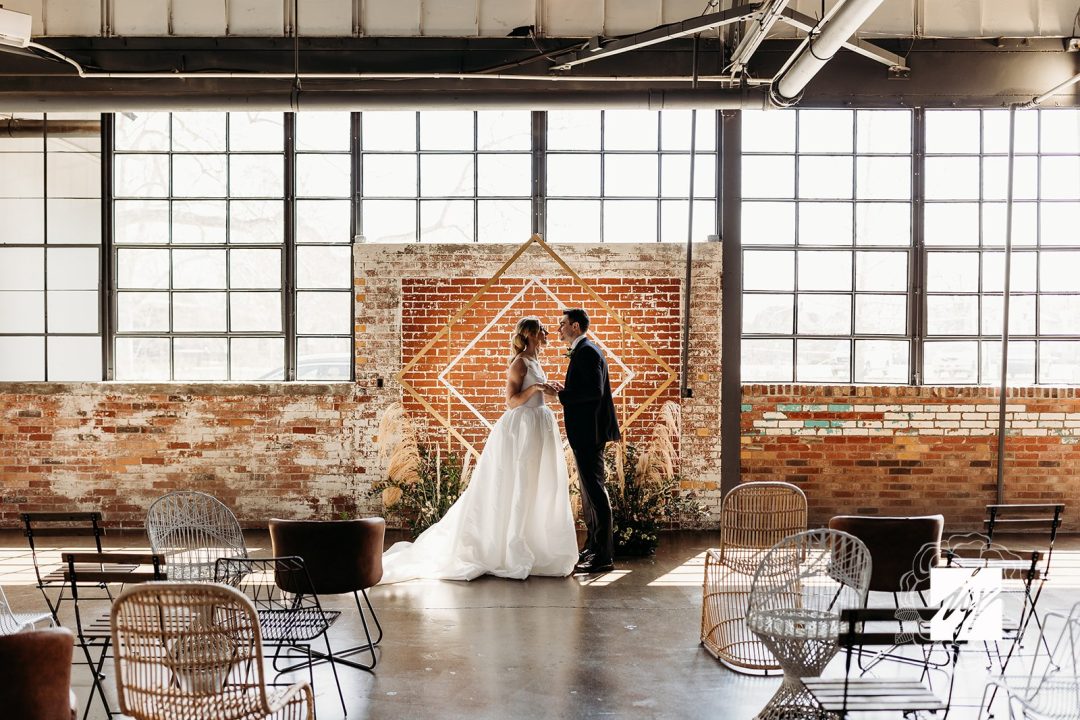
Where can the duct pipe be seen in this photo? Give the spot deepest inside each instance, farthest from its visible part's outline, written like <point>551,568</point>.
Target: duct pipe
<point>31,128</point>
<point>814,52</point>
<point>153,97</point>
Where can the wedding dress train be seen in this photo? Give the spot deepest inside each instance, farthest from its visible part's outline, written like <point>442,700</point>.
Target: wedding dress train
<point>514,518</point>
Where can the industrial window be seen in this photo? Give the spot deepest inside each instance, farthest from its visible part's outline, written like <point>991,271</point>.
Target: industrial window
<point>827,246</point>
<point>446,176</point>
<point>50,247</point>
<point>624,176</point>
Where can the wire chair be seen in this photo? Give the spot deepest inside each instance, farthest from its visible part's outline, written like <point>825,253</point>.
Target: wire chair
<point>12,622</point>
<point>754,517</point>
<point>193,530</point>
<point>798,592</point>
<point>187,650</point>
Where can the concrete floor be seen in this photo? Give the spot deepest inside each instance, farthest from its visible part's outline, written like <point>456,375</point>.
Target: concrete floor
<point>623,644</point>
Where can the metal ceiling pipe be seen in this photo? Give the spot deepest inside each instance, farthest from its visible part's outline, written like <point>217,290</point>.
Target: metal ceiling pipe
<point>285,99</point>
<point>24,128</point>
<point>815,51</point>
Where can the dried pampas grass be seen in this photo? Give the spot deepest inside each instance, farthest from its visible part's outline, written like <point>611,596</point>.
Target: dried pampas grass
<point>398,447</point>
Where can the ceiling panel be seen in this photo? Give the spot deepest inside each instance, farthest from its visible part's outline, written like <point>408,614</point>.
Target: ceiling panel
<point>326,18</point>
<point>396,17</point>
<point>256,17</point>
<point>499,17</point>
<point>72,17</point>
<point>198,17</point>
<point>140,18</point>
<point>449,18</point>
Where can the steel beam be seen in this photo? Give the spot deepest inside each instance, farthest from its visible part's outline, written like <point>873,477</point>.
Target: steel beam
<point>761,23</point>
<point>867,49</point>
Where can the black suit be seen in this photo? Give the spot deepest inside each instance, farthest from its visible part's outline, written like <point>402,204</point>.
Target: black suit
<point>589,414</point>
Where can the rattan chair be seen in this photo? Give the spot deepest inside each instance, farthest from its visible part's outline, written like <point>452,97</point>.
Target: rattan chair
<point>193,529</point>
<point>754,517</point>
<point>798,592</point>
<point>193,650</point>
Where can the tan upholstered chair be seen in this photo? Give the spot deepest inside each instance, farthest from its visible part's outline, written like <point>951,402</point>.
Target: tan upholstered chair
<point>754,517</point>
<point>37,675</point>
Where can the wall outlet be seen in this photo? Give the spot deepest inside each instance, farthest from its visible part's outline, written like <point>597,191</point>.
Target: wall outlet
<point>1072,44</point>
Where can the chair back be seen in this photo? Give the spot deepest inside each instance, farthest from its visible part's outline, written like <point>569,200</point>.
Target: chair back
<point>761,514</point>
<point>193,530</point>
<point>37,674</point>
<point>902,549</point>
<point>341,556</point>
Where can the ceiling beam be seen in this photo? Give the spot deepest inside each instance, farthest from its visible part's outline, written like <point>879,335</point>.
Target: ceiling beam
<point>760,23</point>
<point>866,49</point>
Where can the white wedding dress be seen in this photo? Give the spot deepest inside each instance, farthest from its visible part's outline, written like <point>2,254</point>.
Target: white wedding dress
<point>514,518</point>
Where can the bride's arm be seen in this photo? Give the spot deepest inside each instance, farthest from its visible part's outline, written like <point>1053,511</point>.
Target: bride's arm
<point>515,376</point>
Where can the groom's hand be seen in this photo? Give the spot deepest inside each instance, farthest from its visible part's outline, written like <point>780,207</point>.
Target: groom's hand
<point>556,386</point>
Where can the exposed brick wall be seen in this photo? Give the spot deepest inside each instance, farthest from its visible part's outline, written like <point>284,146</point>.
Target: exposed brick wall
<point>306,450</point>
<point>913,451</point>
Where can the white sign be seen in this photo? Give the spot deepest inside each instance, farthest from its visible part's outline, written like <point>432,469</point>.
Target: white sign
<point>970,603</point>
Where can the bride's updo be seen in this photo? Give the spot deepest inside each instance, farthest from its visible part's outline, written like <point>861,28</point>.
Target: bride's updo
<point>527,327</point>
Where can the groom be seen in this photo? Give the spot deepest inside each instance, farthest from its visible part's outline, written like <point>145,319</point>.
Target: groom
<point>589,414</point>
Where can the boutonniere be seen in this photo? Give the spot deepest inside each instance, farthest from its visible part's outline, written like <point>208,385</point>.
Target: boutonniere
<point>568,353</point>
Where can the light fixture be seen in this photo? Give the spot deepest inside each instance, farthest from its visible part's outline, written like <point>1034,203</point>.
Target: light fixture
<point>14,28</point>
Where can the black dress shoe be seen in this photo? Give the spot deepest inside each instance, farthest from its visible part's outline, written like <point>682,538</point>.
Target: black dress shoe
<point>591,566</point>
<point>585,555</point>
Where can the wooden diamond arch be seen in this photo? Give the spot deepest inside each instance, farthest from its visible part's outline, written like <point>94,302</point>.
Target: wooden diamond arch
<point>670,375</point>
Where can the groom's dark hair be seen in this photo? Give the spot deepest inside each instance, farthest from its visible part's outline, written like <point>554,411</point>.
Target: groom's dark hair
<point>579,316</point>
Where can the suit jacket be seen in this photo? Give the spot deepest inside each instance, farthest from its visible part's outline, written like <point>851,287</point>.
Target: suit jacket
<point>588,409</point>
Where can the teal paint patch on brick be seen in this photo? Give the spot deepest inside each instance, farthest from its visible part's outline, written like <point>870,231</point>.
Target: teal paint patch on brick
<point>839,423</point>
<point>789,407</point>
<point>816,423</point>
<point>746,408</point>
<point>839,407</point>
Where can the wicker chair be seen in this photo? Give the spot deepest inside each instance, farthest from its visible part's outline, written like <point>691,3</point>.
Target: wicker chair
<point>800,587</point>
<point>193,529</point>
<point>754,517</point>
<point>187,650</point>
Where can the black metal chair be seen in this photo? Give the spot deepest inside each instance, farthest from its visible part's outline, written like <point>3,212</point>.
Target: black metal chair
<point>45,524</point>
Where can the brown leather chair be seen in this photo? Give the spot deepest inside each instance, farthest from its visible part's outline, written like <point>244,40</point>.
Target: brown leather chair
<point>902,549</point>
<point>37,675</point>
<point>341,556</point>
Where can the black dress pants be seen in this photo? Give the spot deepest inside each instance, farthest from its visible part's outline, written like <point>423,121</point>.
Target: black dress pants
<point>595,504</point>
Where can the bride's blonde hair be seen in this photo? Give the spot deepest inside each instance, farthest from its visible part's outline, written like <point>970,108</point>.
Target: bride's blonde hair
<point>526,327</point>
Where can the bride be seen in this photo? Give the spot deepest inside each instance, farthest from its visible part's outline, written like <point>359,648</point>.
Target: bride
<point>514,518</point>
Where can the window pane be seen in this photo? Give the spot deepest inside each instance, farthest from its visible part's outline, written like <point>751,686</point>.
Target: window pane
<point>1059,362</point>
<point>1058,223</point>
<point>952,315</point>
<point>141,221</point>
<point>322,221</point>
<point>573,130</point>
<point>74,358</point>
<point>504,175</point>
<point>199,268</point>
<point>73,175</point>
<point>952,272</point>
<point>141,175</point>
<point>631,129</point>
<point>390,176</point>
<point>142,312</point>
<point>881,271</point>
<point>881,361</point>
<point>767,360</point>
<point>446,130</point>
<point>257,359</point>
<point>73,311</point>
<point>324,266</point>
<point>573,221</point>
<point>73,268</point>
<point>768,223</point>
<point>256,131</point>
<point>199,312</point>
<point>996,178</point>
<point>768,177</point>
<point>1025,228</point>
<point>200,358</point>
<point>880,314</point>
<point>825,177</point>
<point>630,175</point>
<point>673,220</point>
<point>388,130</point>
<point>255,312</point>
<point>883,178</point>
<point>324,313</point>
<point>22,268</point>
<point>1021,315</point>
<point>883,131</point>
<point>824,270</point>
<point>774,314</point>
<point>1060,179</point>
<point>22,358</point>
<point>23,175</point>
<point>952,178</point>
<point>22,311</point>
<point>768,270</point>
<point>573,175</point>
<point>261,221</point>
<point>824,315</point>
<point>256,268</point>
<point>446,221</point>
<point>630,221</point>
<point>446,175</point>
<point>142,268</point>
<point>323,131</point>
<point>142,131</point>
<point>323,359</point>
<point>952,223</point>
<point>822,360</point>
<point>825,223</point>
<point>392,221</point>
<point>1022,272</point>
<point>503,221</point>
<point>199,176</point>
<point>883,224</point>
<point>951,363</point>
<point>1059,131</point>
<point>256,176</point>
<point>675,176</point>
<point>323,175</point>
<point>503,130</point>
<point>24,220</point>
<point>140,358</point>
<point>1058,271</point>
<point>198,132</point>
<point>74,222</point>
<point>675,130</point>
<point>996,132</point>
<point>1021,363</point>
<point>826,131</point>
<point>768,131</point>
<point>1058,315</point>
<point>952,131</point>
<point>199,222</point>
